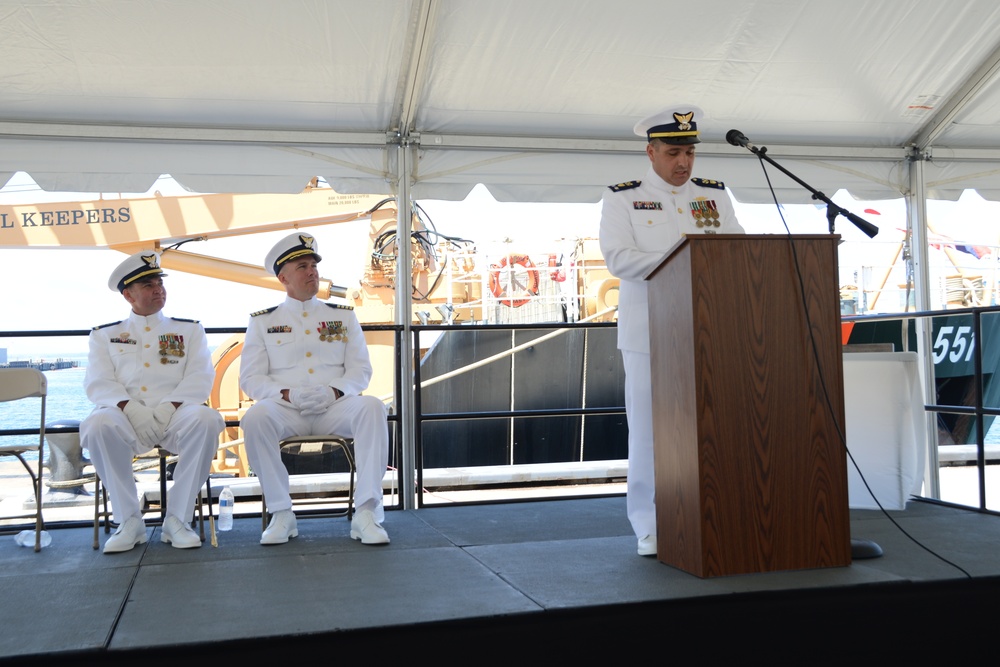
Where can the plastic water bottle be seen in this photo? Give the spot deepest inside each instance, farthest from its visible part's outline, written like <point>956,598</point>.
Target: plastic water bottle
<point>226,501</point>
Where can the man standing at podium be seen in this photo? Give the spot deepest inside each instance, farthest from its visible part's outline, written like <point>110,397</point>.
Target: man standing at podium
<point>640,221</point>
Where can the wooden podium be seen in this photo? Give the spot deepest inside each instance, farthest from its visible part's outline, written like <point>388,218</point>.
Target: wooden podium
<point>750,465</point>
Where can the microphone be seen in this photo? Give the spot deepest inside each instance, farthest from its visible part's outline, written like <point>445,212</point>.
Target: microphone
<point>737,138</point>
<point>862,224</point>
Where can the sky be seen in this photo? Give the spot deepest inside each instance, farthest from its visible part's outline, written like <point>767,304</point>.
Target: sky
<point>47,289</point>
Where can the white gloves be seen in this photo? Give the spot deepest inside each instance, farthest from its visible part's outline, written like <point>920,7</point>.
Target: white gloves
<point>319,400</point>
<point>143,421</point>
<point>312,400</point>
<point>299,395</point>
<point>163,412</point>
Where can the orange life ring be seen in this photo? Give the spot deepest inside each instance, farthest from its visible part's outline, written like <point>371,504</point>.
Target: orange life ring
<point>521,290</point>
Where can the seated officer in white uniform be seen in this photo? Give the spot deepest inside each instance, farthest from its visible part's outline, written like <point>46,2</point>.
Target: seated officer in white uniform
<point>640,221</point>
<point>305,363</point>
<point>149,377</point>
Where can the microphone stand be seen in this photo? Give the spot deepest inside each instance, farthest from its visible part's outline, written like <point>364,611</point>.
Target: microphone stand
<point>832,210</point>
<point>860,548</point>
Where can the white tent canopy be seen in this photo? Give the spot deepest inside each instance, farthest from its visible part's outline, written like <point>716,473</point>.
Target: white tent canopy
<point>535,100</point>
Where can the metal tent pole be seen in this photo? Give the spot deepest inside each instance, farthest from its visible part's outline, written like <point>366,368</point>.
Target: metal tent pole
<point>404,291</point>
<point>916,208</point>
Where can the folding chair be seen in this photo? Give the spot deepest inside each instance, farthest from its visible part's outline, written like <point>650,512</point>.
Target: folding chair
<point>102,511</point>
<point>16,384</point>
<point>314,445</point>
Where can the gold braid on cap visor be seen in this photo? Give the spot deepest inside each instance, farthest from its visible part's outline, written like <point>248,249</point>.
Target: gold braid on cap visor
<point>298,252</point>
<point>142,274</point>
<point>660,135</point>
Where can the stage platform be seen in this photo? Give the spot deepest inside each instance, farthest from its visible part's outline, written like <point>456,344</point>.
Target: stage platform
<point>549,581</point>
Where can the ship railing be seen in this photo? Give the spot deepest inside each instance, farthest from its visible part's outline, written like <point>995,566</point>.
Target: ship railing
<point>959,339</point>
<point>574,476</point>
<point>945,340</point>
<point>565,473</point>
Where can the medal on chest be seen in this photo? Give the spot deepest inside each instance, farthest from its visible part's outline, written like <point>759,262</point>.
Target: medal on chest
<point>171,345</point>
<point>705,213</point>
<point>331,331</point>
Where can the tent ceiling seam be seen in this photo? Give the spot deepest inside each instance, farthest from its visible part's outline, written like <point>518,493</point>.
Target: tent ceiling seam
<point>970,89</point>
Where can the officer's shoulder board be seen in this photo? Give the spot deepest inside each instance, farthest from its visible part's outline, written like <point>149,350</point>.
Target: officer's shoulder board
<point>109,324</point>
<point>340,306</point>
<point>627,185</point>
<point>709,183</point>
<point>181,319</point>
<point>264,312</point>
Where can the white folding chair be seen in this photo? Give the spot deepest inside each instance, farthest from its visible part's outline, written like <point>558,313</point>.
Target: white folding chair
<point>16,384</point>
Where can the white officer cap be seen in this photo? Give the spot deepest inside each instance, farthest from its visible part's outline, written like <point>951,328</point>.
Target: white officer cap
<point>675,125</point>
<point>291,247</point>
<point>138,267</point>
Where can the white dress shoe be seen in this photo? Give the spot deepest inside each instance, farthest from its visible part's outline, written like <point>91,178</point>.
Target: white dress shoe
<point>131,532</point>
<point>365,528</point>
<point>178,534</point>
<point>281,528</point>
<point>647,545</point>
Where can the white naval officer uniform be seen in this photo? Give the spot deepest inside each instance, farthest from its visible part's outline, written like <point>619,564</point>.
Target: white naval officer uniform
<point>125,364</point>
<point>299,344</point>
<point>639,223</point>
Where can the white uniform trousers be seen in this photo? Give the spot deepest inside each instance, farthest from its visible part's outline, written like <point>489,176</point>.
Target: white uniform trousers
<point>363,418</point>
<point>192,434</point>
<point>641,496</point>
